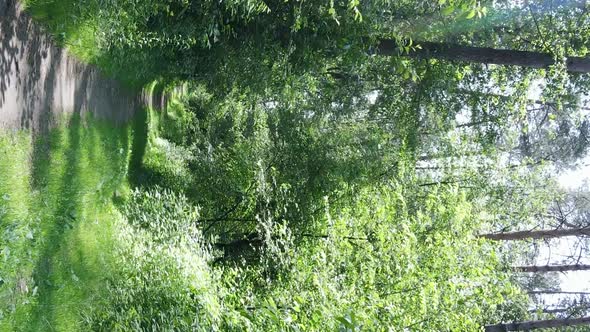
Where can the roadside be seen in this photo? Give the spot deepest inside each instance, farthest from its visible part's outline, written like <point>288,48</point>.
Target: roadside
<point>39,81</point>
<point>68,138</point>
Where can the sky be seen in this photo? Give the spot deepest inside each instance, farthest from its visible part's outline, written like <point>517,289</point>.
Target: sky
<point>576,281</point>
<point>576,178</point>
<point>572,179</point>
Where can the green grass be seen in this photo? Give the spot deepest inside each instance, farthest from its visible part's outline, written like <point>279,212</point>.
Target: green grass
<point>58,193</point>
<point>76,26</point>
<point>70,24</point>
<point>56,219</point>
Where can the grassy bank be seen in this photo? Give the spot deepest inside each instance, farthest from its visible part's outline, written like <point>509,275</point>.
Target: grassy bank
<point>56,218</point>
<point>58,193</point>
<point>76,26</point>
<point>70,25</point>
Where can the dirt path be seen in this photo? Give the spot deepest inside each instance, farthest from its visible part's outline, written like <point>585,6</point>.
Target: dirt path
<point>39,81</point>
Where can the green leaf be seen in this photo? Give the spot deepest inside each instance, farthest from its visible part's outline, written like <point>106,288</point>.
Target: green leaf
<point>448,10</point>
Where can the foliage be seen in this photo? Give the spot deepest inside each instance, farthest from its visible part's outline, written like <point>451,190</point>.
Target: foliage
<point>164,282</point>
<point>303,182</point>
<point>164,214</point>
<point>380,264</point>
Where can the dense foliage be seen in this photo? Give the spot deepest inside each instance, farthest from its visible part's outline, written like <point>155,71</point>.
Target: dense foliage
<point>298,180</point>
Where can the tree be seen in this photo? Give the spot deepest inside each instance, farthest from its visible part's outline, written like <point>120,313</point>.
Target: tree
<point>551,268</point>
<point>536,234</point>
<point>482,55</point>
<point>540,292</point>
<point>565,307</point>
<point>539,324</point>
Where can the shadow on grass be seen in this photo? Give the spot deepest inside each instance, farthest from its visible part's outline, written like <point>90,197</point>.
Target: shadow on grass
<point>66,209</point>
<point>137,173</point>
<point>80,166</point>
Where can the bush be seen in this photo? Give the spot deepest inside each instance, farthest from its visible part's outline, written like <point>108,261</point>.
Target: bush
<point>164,282</point>
<point>168,216</point>
<point>165,165</point>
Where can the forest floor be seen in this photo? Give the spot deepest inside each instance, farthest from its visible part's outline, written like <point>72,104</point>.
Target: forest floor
<point>68,138</point>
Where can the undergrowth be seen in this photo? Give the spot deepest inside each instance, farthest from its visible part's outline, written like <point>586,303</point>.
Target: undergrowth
<point>76,26</point>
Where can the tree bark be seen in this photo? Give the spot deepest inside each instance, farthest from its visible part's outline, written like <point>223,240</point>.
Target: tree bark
<point>539,234</point>
<point>557,292</point>
<point>551,268</point>
<point>537,324</point>
<point>550,311</point>
<point>483,55</point>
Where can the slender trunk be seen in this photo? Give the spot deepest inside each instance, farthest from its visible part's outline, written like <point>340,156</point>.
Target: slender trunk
<point>325,236</point>
<point>253,239</point>
<point>573,309</point>
<point>438,183</point>
<point>540,234</point>
<point>512,98</point>
<point>483,55</point>
<point>538,324</point>
<point>550,311</point>
<point>449,155</point>
<point>551,268</point>
<point>557,292</point>
<point>477,123</point>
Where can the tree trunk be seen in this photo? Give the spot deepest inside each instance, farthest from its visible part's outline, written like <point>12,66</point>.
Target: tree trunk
<point>483,55</point>
<point>557,292</point>
<point>537,324</point>
<point>550,311</point>
<point>540,234</point>
<point>551,268</point>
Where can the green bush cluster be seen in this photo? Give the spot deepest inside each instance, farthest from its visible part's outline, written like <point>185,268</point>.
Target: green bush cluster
<point>287,255</point>
<point>164,281</point>
<point>376,264</point>
<point>169,217</point>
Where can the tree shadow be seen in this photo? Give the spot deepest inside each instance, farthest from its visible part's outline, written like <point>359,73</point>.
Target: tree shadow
<point>86,163</point>
<point>40,87</point>
<point>137,173</point>
<point>57,262</point>
<point>155,100</point>
<point>67,208</point>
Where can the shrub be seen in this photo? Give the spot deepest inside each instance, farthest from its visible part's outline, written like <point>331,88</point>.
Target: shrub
<point>164,282</point>
<point>168,216</point>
